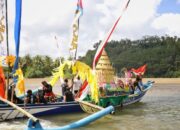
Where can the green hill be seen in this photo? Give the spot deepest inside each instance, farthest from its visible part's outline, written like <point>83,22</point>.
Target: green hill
<point>161,54</point>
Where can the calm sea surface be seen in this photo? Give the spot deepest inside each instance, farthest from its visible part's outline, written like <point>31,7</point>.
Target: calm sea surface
<point>159,110</point>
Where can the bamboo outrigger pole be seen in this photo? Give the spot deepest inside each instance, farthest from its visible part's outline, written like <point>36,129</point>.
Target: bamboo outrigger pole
<point>7,43</point>
<point>19,109</point>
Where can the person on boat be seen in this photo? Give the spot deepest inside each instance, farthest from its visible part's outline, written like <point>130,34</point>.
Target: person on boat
<point>48,93</point>
<point>131,86</point>
<point>40,96</point>
<point>2,83</point>
<point>64,86</point>
<point>68,96</point>
<point>77,84</point>
<point>102,92</point>
<point>138,82</point>
<point>12,95</point>
<point>30,98</point>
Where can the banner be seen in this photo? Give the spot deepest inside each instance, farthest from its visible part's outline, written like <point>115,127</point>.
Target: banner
<point>17,30</point>
<point>74,41</point>
<point>3,48</point>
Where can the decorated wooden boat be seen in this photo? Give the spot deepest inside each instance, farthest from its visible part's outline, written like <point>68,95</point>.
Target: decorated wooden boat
<point>34,123</point>
<point>7,112</point>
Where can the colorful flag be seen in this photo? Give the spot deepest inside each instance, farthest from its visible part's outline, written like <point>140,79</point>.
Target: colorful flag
<point>139,71</point>
<point>17,30</point>
<point>84,90</point>
<point>20,82</point>
<point>104,42</point>
<point>2,83</point>
<point>74,41</point>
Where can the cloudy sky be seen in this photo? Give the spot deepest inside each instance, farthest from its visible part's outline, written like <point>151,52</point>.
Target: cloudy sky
<point>44,19</point>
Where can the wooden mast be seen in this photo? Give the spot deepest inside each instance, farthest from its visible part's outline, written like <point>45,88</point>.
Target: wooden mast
<point>7,43</point>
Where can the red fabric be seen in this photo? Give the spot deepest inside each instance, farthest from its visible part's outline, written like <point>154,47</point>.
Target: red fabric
<point>2,83</point>
<point>139,71</point>
<point>50,94</point>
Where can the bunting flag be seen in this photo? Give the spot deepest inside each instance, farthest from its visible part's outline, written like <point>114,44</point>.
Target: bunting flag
<point>139,71</point>
<point>2,83</point>
<point>105,41</point>
<point>17,30</point>
<point>74,41</point>
<point>20,82</point>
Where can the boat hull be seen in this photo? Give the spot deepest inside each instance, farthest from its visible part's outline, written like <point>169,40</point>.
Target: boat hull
<point>132,98</point>
<point>7,112</point>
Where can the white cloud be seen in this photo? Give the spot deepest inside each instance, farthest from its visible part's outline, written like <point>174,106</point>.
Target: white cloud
<point>178,1</point>
<point>41,19</point>
<point>168,23</point>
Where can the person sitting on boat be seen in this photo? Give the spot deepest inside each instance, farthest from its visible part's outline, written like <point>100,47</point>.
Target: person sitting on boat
<point>12,95</point>
<point>30,98</point>
<point>40,96</point>
<point>68,95</point>
<point>76,85</point>
<point>138,82</point>
<point>64,86</point>
<point>48,93</point>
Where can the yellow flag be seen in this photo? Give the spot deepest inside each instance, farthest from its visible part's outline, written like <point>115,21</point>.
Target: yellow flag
<point>20,83</point>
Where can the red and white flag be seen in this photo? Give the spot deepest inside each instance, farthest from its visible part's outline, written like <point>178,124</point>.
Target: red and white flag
<point>105,41</point>
<point>84,90</point>
<point>139,71</point>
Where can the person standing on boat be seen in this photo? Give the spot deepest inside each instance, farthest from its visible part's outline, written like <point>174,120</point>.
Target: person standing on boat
<point>77,84</point>
<point>64,86</point>
<point>138,82</point>
<point>68,96</point>
<point>2,83</point>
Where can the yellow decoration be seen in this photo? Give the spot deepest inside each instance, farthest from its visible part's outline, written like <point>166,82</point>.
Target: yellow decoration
<point>10,60</point>
<point>104,70</point>
<point>20,83</point>
<point>5,60</point>
<point>81,69</point>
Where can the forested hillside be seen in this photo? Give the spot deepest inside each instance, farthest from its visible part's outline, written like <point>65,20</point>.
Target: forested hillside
<point>161,54</point>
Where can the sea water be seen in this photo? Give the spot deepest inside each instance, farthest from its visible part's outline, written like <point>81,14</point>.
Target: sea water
<point>158,110</point>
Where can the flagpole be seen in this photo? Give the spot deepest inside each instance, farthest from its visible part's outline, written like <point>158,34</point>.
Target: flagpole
<point>7,43</point>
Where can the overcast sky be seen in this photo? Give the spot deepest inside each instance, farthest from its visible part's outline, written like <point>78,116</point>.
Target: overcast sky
<point>44,19</point>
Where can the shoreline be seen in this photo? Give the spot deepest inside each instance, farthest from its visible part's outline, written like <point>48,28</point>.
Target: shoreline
<point>157,80</point>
